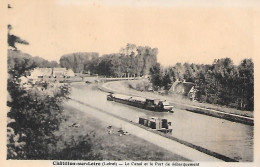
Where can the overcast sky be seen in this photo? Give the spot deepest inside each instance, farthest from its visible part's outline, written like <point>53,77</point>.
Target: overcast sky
<point>182,31</point>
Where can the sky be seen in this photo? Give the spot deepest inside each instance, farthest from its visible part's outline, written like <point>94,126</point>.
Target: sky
<point>183,31</point>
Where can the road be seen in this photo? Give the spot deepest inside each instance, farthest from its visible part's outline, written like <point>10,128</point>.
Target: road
<point>231,139</point>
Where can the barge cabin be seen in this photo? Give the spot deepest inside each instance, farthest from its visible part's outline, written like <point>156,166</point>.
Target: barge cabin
<point>161,125</point>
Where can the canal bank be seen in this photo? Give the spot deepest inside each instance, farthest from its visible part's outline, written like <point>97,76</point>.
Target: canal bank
<point>198,148</point>
<point>224,137</point>
<point>80,126</point>
<point>196,109</point>
<point>154,138</point>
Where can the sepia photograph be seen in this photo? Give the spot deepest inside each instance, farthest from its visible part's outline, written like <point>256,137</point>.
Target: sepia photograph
<point>130,83</point>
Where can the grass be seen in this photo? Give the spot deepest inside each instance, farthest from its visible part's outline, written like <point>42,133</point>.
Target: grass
<point>104,146</point>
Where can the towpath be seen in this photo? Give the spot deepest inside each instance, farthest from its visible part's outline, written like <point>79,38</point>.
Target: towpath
<point>153,138</point>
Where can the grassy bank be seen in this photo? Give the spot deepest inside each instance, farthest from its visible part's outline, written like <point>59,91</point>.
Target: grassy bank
<point>101,145</point>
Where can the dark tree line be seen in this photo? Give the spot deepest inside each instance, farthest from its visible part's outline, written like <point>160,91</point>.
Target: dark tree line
<point>219,83</point>
<point>131,60</point>
<point>16,59</point>
<point>78,61</point>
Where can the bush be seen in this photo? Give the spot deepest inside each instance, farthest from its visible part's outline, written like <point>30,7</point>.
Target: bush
<point>35,112</point>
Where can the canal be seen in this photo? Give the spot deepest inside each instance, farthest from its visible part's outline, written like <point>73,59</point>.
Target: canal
<point>234,140</point>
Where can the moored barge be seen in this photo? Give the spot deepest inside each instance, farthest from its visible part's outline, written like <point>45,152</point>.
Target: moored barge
<point>161,125</point>
<point>141,102</point>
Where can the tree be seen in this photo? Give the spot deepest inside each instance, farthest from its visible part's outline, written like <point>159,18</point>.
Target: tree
<point>78,62</point>
<point>220,83</point>
<point>156,76</point>
<point>166,81</point>
<point>188,73</point>
<point>12,40</point>
<point>246,84</point>
<point>35,111</point>
<point>145,59</point>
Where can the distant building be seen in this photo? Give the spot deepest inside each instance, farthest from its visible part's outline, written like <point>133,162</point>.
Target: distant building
<point>59,72</point>
<point>192,93</point>
<point>70,73</point>
<point>83,74</point>
<point>183,88</point>
<point>41,73</point>
<point>62,72</point>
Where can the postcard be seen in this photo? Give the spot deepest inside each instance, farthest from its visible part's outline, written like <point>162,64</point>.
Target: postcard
<point>130,83</point>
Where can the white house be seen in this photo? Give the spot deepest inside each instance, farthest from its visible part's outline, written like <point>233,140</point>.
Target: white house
<point>70,73</point>
<point>38,73</point>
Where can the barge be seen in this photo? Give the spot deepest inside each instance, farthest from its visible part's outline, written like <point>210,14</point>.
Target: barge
<point>161,125</point>
<point>141,102</point>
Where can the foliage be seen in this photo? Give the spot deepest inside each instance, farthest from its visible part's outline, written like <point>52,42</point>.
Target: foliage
<point>156,76</point>
<point>79,149</point>
<point>21,63</point>
<point>35,114</point>
<point>161,78</point>
<point>245,83</point>
<point>219,83</point>
<point>166,80</point>
<point>42,63</point>
<point>35,111</point>
<point>131,61</point>
<point>12,39</point>
<point>78,61</point>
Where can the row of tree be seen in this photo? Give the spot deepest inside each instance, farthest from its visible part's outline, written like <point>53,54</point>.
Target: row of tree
<point>219,83</point>
<point>131,60</point>
<point>21,62</point>
<point>78,61</point>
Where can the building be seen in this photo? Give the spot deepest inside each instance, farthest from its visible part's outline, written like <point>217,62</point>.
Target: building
<point>59,72</point>
<point>183,88</point>
<point>40,73</point>
<point>192,93</point>
<point>70,73</point>
<point>48,73</point>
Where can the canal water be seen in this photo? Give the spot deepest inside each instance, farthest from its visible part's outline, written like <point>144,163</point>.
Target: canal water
<point>234,140</point>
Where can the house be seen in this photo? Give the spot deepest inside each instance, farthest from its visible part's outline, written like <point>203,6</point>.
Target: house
<point>59,72</point>
<point>48,73</point>
<point>192,93</point>
<point>70,73</point>
<point>182,88</point>
<point>40,73</point>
